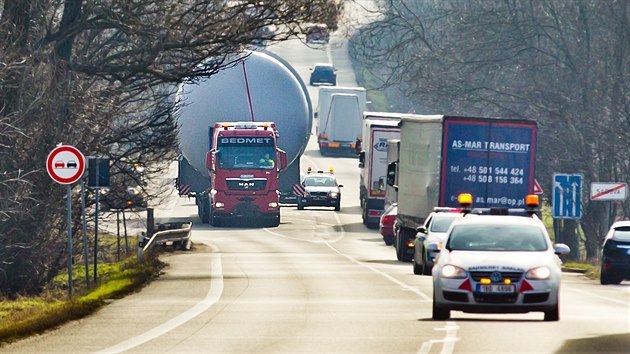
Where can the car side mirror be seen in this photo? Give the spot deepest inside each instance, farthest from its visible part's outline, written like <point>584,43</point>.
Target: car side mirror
<point>561,248</point>
<point>433,247</point>
<point>421,229</point>
<point>339,186</point>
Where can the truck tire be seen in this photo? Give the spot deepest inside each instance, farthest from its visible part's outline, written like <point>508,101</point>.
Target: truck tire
<point>273,221</point>
<point>204,209</point>
<point>364,213</point>
<point>401,245</point>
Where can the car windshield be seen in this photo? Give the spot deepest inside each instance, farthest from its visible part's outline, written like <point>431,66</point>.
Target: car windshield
<point>622,233</point>
<point>324,69</point>
<point>246,157</point>
<point>442,223</point>
<point>492,237</point>
<point>319,182</point>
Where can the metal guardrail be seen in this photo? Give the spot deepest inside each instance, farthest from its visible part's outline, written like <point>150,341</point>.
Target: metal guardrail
<point>173,234</point>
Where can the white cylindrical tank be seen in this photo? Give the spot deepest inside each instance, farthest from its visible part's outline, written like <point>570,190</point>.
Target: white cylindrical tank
<point>276,92</point>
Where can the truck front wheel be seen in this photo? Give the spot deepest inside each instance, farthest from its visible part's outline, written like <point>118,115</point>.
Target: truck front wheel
<point>204,209</point>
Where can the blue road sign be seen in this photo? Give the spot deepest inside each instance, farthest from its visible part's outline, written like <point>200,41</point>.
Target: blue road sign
<point>567,196</point>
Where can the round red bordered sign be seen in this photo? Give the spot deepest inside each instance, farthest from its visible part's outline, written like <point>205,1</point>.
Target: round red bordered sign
<point>65,164</point>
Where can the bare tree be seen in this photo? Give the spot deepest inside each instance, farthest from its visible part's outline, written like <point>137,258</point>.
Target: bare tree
<point>562,63</point>
<point>96,74</point>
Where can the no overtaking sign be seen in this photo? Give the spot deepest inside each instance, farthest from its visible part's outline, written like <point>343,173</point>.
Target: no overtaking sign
<point>65,164</point>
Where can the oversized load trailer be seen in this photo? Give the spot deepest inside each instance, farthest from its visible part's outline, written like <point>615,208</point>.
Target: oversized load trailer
<point>248,91</point>
<point>443,156</point>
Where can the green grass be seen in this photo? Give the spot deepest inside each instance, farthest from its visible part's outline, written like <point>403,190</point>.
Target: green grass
<point>26,316</point>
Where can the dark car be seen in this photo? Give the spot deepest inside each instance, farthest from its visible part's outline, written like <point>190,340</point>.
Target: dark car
<point>320,189</point>
<point>616,254</point>
<point>386,224</point>
<point>317,34</point>
<point>323,74</point>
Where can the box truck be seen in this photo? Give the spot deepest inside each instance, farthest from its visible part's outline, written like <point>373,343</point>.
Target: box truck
<point>378,128</point>
<point>340,111</point>
<point>444,156</point>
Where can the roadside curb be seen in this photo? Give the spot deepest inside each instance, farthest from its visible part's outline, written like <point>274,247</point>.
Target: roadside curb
<point>573,270</point>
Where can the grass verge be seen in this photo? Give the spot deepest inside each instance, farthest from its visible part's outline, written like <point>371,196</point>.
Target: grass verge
<point>27,316</point>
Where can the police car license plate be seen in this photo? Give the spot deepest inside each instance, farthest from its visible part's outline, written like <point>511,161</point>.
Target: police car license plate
<point>496,289</point>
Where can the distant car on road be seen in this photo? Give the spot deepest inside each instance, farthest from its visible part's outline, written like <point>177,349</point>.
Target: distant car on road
<point>317,34</point>
<point>386,224</point>
<point>323,73</point>
<point>616,254</point>
<point>497,264</point>
<point>321,189</point>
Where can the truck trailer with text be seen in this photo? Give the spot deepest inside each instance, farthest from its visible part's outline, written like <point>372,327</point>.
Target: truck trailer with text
<point>441,157</point>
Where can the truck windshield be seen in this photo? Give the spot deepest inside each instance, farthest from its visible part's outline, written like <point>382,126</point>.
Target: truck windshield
<point>246,157</point>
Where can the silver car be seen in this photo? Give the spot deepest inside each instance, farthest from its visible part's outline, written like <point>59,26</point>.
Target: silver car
<point>433,231</point>
<point>497,264</point>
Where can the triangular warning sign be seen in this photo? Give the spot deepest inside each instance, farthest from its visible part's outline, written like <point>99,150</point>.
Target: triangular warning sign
<point>537,188</point>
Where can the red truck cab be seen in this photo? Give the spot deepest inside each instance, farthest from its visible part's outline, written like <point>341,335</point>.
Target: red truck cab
<point>244,165</point>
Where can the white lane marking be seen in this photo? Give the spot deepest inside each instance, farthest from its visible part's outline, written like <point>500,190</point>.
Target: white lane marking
<point>448,342</point>
<point>425,297</point>
<point>212,297</point>
<point>329,54</point>
<point>588,293</point>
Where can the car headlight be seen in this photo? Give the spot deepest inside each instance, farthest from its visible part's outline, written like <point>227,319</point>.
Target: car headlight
<point>133,190</point>
<point>219,205</point>
<point>333,194</point>
<point>452,272</point>
<point>540,273</point>
<point>273,205</point>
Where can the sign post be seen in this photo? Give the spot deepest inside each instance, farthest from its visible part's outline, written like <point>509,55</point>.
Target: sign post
<point>98,176</point>
<point>65,165</point>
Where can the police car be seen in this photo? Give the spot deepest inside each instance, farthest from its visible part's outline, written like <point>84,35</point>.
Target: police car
<point>320,189</point>
<point>497,264</point>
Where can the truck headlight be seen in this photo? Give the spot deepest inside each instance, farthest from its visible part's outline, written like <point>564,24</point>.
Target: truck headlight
<point>452,272</point>
<point>540,273</point>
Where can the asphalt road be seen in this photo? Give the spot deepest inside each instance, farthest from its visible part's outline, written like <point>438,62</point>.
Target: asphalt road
<point>321,283</point>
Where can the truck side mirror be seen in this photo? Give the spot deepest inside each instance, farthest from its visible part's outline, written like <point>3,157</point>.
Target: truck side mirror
<point>391,174</point>
<point>283,159</point>
<point>362,159</point>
